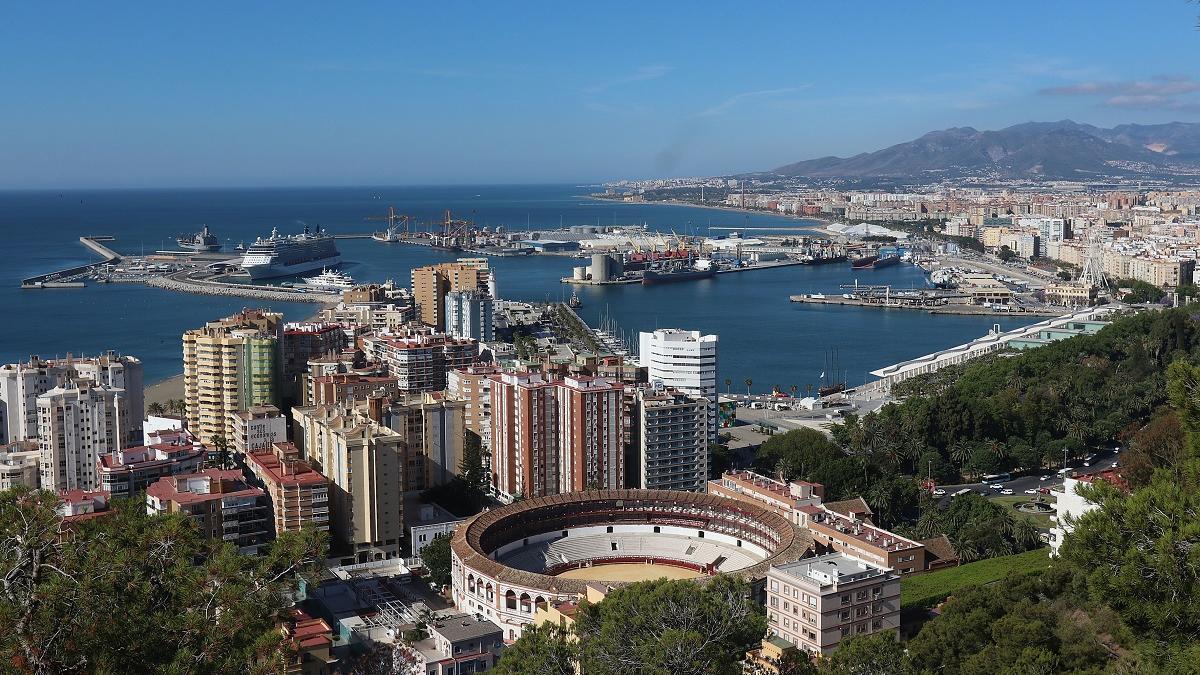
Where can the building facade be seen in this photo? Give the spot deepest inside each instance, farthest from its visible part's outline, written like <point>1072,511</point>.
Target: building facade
<point>683,360</point>
<point>256,428</point>
<point>229,365</point>
<point>364,462</point>
<point>298,494</point>
<point>221,502</point>
<point>127,472</point>
<point>76,425</point>
<point>469,315</point>
<point>815,603</point>
<point>431,284</point>
<point>671,437</point>
<point>22,383</point>
<point>419,360</point>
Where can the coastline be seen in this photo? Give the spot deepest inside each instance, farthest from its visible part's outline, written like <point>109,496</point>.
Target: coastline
<point>735,209</point>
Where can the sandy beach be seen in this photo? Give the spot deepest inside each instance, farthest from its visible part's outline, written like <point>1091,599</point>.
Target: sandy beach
<point>161,392</point>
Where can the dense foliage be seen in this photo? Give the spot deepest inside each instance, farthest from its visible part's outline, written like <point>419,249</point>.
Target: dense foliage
<point>436,557</point>
<point>977,527</point>
<point>1139,291</point>
<point>132,592</point>
<point>1026,411</point>
<point>1124,595</point>
<point>661,627</point>
<point>466,493</point>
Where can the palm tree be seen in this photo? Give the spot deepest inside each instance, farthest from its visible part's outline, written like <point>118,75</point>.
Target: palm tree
<point>808,388</point>
<point>794,387</point>
<point>221,445</point>
<point>998,449</point>
<point>154,408</point>
<point>749,382</point>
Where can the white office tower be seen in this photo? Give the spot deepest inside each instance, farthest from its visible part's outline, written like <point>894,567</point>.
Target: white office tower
<point>469,315</point>
<point>683,360</point>
<point>22,383</point>
<point>76,424</point>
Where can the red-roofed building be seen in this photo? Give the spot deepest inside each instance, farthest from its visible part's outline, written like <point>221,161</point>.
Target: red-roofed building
<point>331,389</point>
<point>843,527</point>
<point>311,640</point>
<point>299,494</point>
<point>127,472</point>
<point>79,505</point>
<point>224,505</point>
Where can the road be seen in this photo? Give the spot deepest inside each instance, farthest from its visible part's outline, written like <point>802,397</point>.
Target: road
<point>997,267</point>
<point>1104,460</point>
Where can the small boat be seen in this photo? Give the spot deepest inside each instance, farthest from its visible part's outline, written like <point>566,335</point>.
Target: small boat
<point>574,302</point>
<point>240,247</point>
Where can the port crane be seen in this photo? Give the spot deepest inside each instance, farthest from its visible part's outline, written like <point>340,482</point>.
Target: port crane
<point>394,221</point>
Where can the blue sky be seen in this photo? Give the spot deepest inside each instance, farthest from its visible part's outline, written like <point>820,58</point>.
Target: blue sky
<point>246,94</point>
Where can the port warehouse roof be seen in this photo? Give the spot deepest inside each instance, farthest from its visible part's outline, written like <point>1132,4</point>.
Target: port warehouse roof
<point>986,344</point>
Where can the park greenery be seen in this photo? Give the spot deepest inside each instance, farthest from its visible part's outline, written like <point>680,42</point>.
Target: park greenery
<point>927,590</point>
<point>132,592</point>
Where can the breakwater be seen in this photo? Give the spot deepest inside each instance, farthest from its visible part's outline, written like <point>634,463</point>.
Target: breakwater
<point>238,290</point>
<point>68,278</point>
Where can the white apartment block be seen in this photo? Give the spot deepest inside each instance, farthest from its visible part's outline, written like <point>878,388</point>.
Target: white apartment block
<point>683,360</point>
<point>815,603</point>
<point>22,383</point>
<point>76,425</point>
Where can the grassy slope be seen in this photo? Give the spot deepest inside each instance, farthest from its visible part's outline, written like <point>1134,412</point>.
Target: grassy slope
<point>926,590</point>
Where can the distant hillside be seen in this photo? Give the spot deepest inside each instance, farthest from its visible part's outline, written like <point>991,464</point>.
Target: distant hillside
<point>1050,150</point>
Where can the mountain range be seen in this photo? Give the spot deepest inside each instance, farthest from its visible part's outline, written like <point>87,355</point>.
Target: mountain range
<point>1064,150</point>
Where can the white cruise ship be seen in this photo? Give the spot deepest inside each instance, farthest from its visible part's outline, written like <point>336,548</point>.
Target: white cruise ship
<point>288,255</point>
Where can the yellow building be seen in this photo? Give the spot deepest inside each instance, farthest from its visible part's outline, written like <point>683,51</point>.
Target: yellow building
<point>230,365</point>
<point>766,659</point>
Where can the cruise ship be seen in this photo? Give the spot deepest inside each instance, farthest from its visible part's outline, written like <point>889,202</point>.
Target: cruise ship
<point>329,280</point>
<point>288,255</point>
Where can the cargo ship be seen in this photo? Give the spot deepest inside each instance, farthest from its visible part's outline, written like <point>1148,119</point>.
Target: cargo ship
<point>703,269</point>
<point>871,262</point>
<point>817,260</point>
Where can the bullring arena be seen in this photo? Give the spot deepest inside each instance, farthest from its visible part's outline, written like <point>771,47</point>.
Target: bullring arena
<point>508,562</point>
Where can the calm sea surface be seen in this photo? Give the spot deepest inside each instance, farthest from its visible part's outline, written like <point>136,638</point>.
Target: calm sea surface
<point>762,335</point>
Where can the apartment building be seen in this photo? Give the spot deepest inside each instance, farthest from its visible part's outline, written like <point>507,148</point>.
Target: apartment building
<point>20,464</point>
<point>127,472</point>
<point>431,284</point>
<point>469,314</point>
<point>524,435</point>
<point>554,436</point>
<point>256,428</point>
<point>420,359</point>
<point>22,383</point>
<point>473,386</point>
<point>229,365</point>
<point>364,462</point>
<point>302,341</point>
<point>330,389</point>
<point>683,360</point>
<point>298,493</point>
<point>461,643</point>
<point>222,503</point>
<point>1070,506</point>
<point>670,433</point>
<point>591,454</point>
<point>785,498</point>
<point>78,423</point>
<point>433,428</point>
<point>815,603</point>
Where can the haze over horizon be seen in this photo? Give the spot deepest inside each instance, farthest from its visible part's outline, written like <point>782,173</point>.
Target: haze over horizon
<point>150,95</point>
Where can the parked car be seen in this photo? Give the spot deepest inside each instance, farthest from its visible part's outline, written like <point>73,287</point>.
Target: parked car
<point>939,493</point>
<point>997,486</point>
<point>1046,477</point>
<point>1006,491</point>
<point>1044,491</point>
<point>1031,491</point>
<point>1114,465</point>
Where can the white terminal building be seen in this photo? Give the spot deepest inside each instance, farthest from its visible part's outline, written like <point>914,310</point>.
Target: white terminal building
<point>686,361</point>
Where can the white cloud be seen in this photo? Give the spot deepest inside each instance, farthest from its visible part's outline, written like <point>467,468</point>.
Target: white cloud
<point>641,74</point>
<point>729,103</point>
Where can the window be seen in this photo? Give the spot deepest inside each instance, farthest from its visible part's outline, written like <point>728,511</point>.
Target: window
<point>657,529</point>
<point>846,599</point>
<point>609,529</point>
<point>700,533</point>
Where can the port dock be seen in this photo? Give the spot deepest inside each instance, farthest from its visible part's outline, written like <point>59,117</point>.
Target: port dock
<point>929,301</point>
<point>636,278</point>
<point>70,277</point>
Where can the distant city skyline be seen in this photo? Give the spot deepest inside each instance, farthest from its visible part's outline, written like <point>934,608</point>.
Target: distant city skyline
<point>154,95</point>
